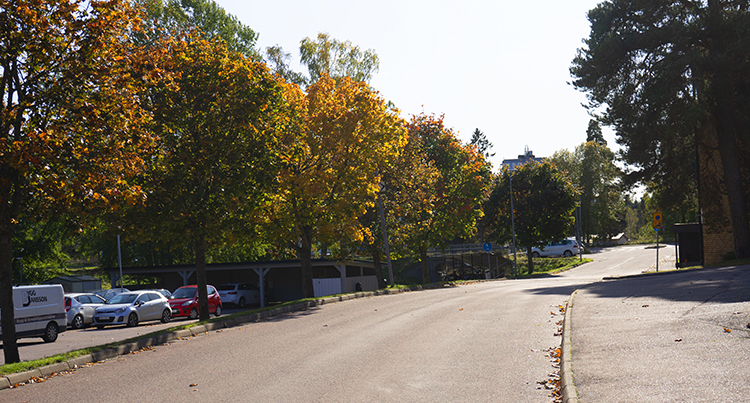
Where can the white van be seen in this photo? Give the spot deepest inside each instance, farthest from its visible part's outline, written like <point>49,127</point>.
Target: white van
<point>39,311</point>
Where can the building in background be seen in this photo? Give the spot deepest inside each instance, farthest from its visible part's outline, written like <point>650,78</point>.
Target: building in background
<point>522,159</point>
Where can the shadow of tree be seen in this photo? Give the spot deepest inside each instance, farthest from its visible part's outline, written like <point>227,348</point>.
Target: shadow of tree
<point>715,285</point>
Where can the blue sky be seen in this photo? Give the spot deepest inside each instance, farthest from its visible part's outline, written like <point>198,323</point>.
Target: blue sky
<point>500,66</point>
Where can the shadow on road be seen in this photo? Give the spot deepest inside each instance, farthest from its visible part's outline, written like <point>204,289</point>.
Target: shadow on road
<point>715,285</point>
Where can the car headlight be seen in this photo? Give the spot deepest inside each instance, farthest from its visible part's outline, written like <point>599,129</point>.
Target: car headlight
<point>120,310</point>
<point>187,303</point>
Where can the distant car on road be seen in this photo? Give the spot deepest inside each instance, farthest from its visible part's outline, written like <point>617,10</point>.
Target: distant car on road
<point>131,308</point>
<point>566,247</point>
<point>184,301</point>
<point>239,294</point>
<point>80,307</point>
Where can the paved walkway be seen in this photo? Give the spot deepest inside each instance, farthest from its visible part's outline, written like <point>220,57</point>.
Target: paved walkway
<point>666,337</point>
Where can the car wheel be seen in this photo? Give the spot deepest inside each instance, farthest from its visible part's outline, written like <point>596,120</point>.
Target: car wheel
<point>193,313</point>
<point>218,310</point>
<point>568,253</point>
<point>77,322</point>
<point>534,254</point>
<point>50,333</point>
<point>241,304</point>
<point>166,316</point>
<point>132,319</point>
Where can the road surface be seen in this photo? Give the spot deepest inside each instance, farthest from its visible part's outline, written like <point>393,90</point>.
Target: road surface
<point>483,342</point>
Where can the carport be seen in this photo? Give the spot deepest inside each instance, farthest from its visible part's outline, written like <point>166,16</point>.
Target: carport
<point>281,280</point>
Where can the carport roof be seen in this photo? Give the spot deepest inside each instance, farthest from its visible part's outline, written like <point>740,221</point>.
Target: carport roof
<point>282,264</point>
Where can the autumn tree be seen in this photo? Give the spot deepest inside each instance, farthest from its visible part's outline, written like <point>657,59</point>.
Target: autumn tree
<point>667,76</point>
<point>334,138</point>
<point>216,117</point>
<point>452,209</point>
<point>408,199</point>
<point>72,127</point>
<point>543,203</point>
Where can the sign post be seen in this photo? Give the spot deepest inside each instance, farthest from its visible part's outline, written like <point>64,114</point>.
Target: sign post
<point>487,248</point>
<point>657,224</point>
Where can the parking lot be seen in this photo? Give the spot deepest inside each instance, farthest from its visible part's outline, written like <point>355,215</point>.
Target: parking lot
<point>70,340</point>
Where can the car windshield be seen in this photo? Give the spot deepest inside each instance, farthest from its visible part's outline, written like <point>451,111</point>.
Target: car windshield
<point>184,292</point>
<point>123,299</point>
<point>226,287</point>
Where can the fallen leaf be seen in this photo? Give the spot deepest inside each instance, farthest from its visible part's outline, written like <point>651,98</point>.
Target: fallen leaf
<point>677,339</point>
<point>192,385</point>
<point>728,330</point>
<point>645,306</point>
<point>460,309</point>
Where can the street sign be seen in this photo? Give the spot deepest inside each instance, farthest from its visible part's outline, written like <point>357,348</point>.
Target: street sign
<point>657,224</point>
<point>487,246</point>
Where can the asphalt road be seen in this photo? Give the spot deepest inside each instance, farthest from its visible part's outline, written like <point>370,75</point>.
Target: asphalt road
<point>484,342</point>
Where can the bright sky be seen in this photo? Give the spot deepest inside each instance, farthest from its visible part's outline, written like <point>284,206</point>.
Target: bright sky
<point>497,65</point>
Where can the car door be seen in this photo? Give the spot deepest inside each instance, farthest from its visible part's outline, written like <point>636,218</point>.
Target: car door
<point>89,304</point>
<point>144,309</point>
<point>213,299</point>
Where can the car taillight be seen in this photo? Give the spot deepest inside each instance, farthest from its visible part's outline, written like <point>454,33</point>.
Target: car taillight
<point>232,293</point>
<point>67,304</point>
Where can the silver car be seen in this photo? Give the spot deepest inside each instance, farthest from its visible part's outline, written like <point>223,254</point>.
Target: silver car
<point>131,308</point>
<point>80,307</point>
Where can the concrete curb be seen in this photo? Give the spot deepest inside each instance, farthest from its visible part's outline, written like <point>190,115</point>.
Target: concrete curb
<point>9,380</point>
<point>567,385</point>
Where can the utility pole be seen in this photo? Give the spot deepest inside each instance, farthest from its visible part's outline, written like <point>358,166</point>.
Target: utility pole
<point>513,223</point>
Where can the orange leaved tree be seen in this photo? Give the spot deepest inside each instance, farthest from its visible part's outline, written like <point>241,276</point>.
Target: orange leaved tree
<point>335,137</point>
<point>72,129</point>
<point>454,203</point>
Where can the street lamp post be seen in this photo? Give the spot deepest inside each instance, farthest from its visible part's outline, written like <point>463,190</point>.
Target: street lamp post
<point>119,259</point>
<point>513,223</point>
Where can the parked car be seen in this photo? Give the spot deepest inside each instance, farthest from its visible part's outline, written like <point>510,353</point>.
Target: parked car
<point>161,291</point>
<point>184,301</point>
<point>108,294</point>
<point>132,308</point>
<point>566,247</point>
<point>239,294</point>
<point>80,308</point>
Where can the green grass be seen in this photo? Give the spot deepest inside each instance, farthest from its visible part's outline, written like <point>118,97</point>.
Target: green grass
<point>547,265</point>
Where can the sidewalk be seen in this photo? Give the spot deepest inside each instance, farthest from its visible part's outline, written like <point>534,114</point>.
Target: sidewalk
<point>665,337</point>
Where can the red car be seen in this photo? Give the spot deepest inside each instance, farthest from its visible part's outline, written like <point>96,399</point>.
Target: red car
<point>184,301</point>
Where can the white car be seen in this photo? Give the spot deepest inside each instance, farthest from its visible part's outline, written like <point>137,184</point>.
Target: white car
<point>566,247</point>
<point>80,308</point>
<point>131,308</point>
<point>239,294</point>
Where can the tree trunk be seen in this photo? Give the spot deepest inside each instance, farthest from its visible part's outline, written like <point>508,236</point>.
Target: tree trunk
<point>424,260</point>
<point>200,274</point>
<point>10,347</point>
<point>725,103</point>
<point>305,257</point>
<point>530,260</point>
